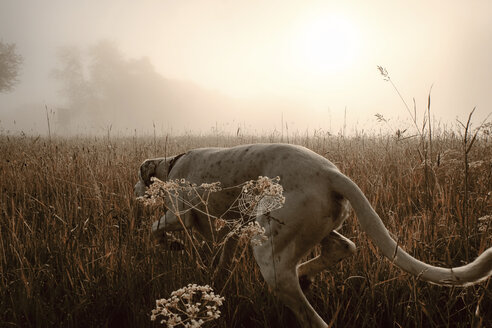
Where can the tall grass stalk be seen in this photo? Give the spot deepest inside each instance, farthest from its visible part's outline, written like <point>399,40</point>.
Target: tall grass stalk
<point>468,141</point>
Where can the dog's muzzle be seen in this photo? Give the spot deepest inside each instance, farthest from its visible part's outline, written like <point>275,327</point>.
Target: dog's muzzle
<point>139,189</point>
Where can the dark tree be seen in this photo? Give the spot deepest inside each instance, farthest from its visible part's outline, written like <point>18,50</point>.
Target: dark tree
<point>10,62</point>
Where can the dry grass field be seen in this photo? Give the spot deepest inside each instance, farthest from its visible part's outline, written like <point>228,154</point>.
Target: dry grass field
<point>76,250</point>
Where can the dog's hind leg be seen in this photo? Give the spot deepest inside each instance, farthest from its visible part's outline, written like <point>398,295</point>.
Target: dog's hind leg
<point>278,267</point>
<point>334,248</point>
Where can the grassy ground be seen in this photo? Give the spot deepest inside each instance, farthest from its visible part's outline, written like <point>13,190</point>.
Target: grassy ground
<point>75,249</point>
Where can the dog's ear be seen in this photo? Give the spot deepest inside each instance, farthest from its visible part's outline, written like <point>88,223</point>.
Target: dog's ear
<point>147,171</point>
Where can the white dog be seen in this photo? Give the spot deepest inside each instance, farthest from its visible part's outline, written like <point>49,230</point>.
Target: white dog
<point>316,204</point>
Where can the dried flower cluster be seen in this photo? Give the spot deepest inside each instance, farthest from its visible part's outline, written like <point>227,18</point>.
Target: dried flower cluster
<point>384,73</point>
<point>189,307</point>
<point>477,164</point>
<point>159,190</point>
<point>261,196</point>
<point>484,223</point>
<point>257,197</point>
<point>254,232</point>
<point>194,305</point>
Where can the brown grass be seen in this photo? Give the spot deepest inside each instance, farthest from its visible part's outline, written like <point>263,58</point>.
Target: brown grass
<point>75,248</point>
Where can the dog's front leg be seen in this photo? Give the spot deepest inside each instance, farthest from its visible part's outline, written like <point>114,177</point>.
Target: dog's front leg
<point>170,222</point>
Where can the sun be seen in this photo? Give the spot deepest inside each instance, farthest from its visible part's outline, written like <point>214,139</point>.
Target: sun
<point>325,44</point>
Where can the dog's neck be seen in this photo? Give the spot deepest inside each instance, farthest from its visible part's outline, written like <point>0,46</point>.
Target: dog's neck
<point>172,162</point>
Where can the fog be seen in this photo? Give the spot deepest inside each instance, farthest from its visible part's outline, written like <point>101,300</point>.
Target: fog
<point>221,66</point>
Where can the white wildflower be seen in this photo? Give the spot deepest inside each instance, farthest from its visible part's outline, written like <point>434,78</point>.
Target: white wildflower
<point>198,303</point>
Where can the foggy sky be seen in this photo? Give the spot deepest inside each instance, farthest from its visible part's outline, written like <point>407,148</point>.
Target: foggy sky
<point>234,62</point>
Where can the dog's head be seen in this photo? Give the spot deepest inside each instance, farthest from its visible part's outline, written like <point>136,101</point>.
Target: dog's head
<point>155,167</point>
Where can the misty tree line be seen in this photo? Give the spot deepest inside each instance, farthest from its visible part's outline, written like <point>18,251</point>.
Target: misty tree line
<point>101,86</point>
<point>10,62</point>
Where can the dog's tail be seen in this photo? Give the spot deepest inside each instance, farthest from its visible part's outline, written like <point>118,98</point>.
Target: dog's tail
<point>469,274</point>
